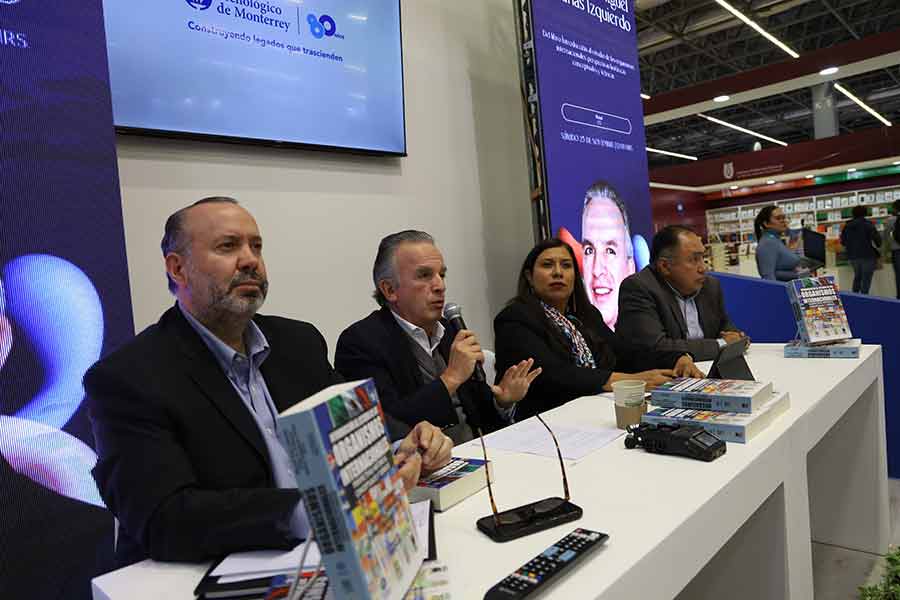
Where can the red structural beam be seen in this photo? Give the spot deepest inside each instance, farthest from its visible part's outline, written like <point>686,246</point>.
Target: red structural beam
<point>866,145</point>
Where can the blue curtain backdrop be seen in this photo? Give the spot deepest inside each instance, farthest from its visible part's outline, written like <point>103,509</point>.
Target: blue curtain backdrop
<point>64,299</point>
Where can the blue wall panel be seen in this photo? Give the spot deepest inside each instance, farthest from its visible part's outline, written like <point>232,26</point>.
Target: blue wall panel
<point>762,309</point>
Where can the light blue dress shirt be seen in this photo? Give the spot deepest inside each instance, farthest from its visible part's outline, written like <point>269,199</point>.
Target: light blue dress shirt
<point>689,312</point>
<point>691,316</point>
<point>244,374</point>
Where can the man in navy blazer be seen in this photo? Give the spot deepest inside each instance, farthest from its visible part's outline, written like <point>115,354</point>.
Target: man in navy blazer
<point>423,367</point>
<point>184,415</point>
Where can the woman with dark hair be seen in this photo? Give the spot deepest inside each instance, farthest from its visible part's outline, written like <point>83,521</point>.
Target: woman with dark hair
<point>773,259</point>
<point>552,321</point>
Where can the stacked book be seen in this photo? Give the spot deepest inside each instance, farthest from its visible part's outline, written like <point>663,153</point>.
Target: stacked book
<point>730,409</point>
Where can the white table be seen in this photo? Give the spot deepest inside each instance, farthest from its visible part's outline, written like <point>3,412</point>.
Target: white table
<point>739,527</point>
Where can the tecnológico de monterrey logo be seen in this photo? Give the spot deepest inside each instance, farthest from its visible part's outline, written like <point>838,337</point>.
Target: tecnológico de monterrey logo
<point>198,4</point>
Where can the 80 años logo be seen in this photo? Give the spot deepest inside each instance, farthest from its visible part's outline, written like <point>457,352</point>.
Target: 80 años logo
<point>323,26</point>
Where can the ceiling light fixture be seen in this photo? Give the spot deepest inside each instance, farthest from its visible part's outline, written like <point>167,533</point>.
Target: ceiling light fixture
<point>675,154</point>
<point>896,162</point>
<point>734,187</point>
<point>645,96</point>
<point>759,29</point>
<point>810,176</point>
<point>770,182</point>
<point>741,129</point>
<point>780,44</point>
<point>851,170</point>
<point>722,98</point>
<point>862,104</point>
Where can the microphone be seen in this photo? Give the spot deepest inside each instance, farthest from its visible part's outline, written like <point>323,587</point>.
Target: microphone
<point>453,314</point>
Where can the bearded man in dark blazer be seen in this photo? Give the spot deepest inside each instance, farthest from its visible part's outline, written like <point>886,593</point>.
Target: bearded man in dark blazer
<point>185,415</point>
<point>672,305</point>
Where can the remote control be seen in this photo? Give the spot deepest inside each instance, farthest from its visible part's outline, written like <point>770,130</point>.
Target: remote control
<point>527,580</point>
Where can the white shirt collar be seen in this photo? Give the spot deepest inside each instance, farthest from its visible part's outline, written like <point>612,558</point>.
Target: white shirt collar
<point>419,335</point>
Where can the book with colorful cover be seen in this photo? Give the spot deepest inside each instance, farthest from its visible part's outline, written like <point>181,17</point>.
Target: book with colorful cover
<point>453,483</point>
<point>723,395</point>
<point>845,349</point>
<point>727,426</point>
<point>431,583</point>
<point>354,496</point>
<point>818,310</point>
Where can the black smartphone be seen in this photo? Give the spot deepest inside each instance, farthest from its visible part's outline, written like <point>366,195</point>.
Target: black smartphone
<point>529,518</point>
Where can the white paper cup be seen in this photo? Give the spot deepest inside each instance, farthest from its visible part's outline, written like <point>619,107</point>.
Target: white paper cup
<point>629,392</point>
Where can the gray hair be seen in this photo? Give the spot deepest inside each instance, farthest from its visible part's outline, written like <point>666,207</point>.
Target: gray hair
<point>174,236</point>
<point>604,189</point>
<point>384,267</point>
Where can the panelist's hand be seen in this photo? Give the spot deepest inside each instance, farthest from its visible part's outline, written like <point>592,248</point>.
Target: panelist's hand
<point>733,336</point>
<point>656,377</point>
<point>429,442</point>
<point>464,353</point>
<point>410,466</point>
<point>653,378</point>
<point>515,383</point>
<point>685,367</point>
<point>730,337</point>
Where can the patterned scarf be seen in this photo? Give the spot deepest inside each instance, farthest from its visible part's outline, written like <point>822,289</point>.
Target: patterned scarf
<point>577,346</point>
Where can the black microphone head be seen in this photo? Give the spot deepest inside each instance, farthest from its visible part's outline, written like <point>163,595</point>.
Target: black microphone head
<point>452,311</point>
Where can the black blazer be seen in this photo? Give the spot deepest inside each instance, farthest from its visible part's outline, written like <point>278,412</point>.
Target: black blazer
<point>521,332</point>
<point>378,347</point>
<point>181,461</point>
<point>650,318</point>
<point>861,239</point>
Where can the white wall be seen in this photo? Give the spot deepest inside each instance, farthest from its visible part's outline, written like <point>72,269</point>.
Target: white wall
<point>465,181</point>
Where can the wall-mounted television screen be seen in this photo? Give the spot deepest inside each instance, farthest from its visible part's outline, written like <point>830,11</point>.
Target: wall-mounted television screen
<point>325,73</point>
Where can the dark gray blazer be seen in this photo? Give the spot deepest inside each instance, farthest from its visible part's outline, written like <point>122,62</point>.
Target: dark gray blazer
<point>650,319</point>
<point>181,462</point>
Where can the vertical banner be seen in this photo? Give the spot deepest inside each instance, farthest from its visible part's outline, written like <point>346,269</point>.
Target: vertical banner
<point>593,135</point>
<point>64,296</point>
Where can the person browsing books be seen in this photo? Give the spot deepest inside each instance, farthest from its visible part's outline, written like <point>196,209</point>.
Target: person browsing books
<point>184,415</point>
<point>774,260</point>
<point>552,320</point>
<point>863,243</point>
<point>422,368</point>
<point>672,305</point>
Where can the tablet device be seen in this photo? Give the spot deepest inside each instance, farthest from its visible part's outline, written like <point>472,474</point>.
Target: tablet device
<point>730,363</point>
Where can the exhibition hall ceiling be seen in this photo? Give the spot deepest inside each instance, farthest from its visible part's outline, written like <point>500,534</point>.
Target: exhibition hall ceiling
<point>683,43</point>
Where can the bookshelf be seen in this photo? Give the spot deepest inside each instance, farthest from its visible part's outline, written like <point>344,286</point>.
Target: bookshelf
<point>732,240</point>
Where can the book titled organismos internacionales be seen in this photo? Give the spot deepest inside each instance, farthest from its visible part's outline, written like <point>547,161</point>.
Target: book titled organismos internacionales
<point>354,496</point>
<point>818,310</point>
